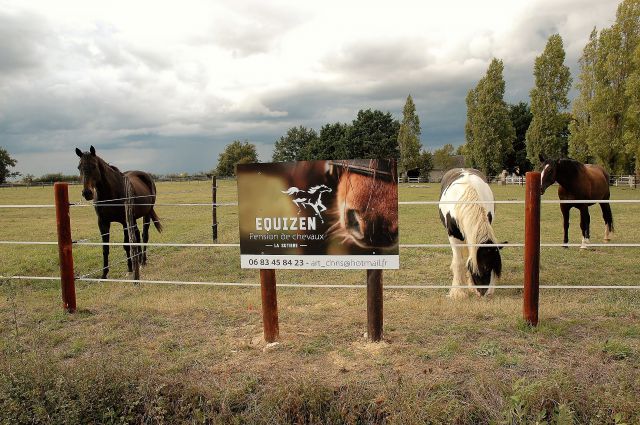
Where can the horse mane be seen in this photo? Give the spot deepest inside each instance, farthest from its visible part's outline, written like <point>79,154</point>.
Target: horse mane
<point>571,164</point>
<point>113,179</point>
<point>473,216</point>
<point>113,167</point>
<point>314,189</point>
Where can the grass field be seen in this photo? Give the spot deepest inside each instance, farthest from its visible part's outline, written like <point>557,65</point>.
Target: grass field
<point>167,354</point>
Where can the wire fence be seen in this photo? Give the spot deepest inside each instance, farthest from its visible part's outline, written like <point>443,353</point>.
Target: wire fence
<point>315,285</point>
<point>110,203</point>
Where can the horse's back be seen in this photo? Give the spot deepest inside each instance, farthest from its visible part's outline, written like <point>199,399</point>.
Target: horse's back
<point>144,190</point>
<point>456,173</point>
<point>142,182</point>
<point>457,181</point>
<point>599,181</point>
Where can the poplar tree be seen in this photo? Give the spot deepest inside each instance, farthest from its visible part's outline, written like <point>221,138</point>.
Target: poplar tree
<point>583,104</point>
<point>632,116</point>
<point>546,135</point>
<point>489,131</point>
<point>604,111</point>
<point>409,137</point>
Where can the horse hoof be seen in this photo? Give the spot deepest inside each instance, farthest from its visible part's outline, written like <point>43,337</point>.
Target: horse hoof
<point>457,293</point>
<point>130,276</point>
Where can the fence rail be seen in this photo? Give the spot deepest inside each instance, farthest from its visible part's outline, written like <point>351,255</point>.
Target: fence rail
<point>268,283</point>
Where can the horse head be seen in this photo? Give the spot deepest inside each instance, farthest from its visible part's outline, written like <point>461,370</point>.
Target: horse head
<point>367,208</point>
<point>549,173</point>
<point>488,266</point>
<point>90,173</point>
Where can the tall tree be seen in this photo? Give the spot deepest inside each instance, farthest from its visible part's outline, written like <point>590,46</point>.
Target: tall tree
<point>489,131</point>
<point>548,101</point>
<point>520,115</point>
<point>632,115</point>
<point>235,153</point>
<point>582,105</point>
<point>6,162</point>
<point>292,146</point>
<point>330,144</point>
<point>443,158</point>
<point>425,163</point>
<point>602,110</point>
<point>373,134</point>
<point>409,137</point>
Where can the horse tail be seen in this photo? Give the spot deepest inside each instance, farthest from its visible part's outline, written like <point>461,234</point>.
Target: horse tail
<point>607,215</point>
<point>291,190</point>
<point>156,220</point>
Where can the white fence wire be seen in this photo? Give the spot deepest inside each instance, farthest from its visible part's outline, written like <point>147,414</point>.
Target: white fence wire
<point>103,203</point>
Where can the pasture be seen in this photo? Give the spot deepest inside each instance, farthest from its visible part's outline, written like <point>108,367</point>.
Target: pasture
<point>165,354</point>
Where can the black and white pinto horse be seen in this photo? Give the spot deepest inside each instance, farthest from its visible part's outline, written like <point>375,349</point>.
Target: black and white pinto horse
<point>469,223</point>
<point>312,198</point>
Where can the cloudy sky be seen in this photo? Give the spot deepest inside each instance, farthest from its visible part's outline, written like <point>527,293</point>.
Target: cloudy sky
<point>165,87</point>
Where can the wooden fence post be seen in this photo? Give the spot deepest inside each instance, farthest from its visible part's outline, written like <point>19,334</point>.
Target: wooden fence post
<point>65,246</point>
<point>532,249</point>
<point>269,305</point>
<point>214,211</point>
<point>374,305</point>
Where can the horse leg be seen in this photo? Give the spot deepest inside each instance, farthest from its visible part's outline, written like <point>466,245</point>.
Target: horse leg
<point>104,231</point>
<point>608,220</point>
<point>458,268</point>
<point>584,225</point>
<point>135,227</point>
<point>566,209</point>
<point>127,250</point>
<point>146,221</point>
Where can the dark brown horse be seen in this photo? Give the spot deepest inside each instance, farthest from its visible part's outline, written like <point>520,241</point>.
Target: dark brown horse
<point>105,185</point>
<point>578,181</point>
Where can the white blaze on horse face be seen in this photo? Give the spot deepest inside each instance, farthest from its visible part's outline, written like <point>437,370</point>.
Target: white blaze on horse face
<point>543,171</point>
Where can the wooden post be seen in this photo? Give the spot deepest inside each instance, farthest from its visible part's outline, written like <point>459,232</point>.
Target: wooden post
<point>532,249</point>
<point>269,305</point>
<point>214,211</point>
<point>65,246</point>
<point>374,305</point>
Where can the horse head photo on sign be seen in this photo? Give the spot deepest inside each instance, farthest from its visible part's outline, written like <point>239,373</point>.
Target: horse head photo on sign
<point>367,203</point>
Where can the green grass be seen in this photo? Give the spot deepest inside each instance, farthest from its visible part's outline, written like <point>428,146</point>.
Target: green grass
<point>151,353</point>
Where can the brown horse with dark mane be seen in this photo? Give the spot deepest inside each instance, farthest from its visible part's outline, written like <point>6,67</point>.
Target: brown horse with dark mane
<point>105,185</point>
<point>578,181</point>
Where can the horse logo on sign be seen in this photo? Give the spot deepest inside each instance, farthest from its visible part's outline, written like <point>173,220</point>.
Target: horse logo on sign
<point>311,197</point>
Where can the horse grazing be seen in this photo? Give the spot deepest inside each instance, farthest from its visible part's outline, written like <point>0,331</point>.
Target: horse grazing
<point>367,203</point>
<point>469,223</point>
<point>578,181</point>
<point>312,198</point>
<point>105,185</point>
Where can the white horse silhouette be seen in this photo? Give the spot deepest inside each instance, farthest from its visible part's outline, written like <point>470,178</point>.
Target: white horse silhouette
<point>312,197</point>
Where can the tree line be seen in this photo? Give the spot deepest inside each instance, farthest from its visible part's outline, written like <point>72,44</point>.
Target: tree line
<point>603,125</point>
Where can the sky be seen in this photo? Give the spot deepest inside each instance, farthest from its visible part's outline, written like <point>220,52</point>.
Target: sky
<point>164,87</point>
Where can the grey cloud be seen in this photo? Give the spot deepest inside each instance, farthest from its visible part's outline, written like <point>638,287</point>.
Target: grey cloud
<point>380,59</point>
<point>139,120</point>
<point>22,37</point>
<point>250,29</point>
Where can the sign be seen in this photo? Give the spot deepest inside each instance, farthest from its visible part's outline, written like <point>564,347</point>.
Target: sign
<point>319,215</point>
